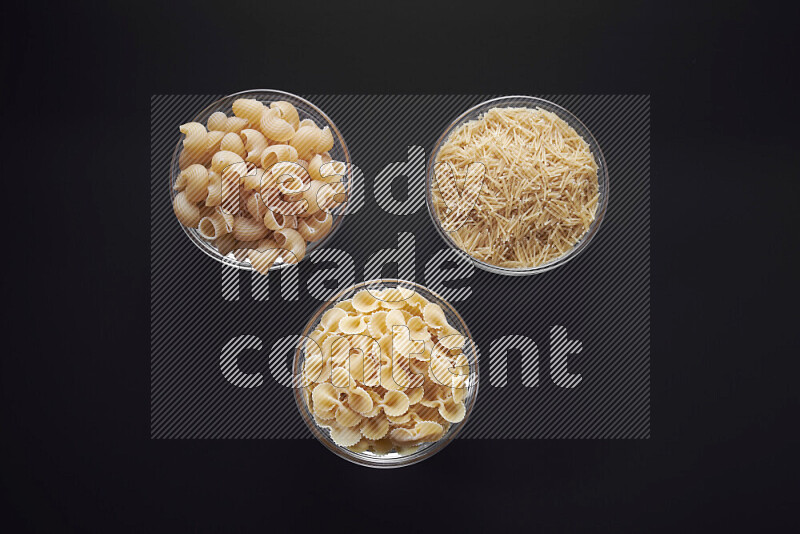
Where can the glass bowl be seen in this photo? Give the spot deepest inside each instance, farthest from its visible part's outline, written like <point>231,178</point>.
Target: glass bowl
<point>533,103</point>
<point>306,110</point>
<point>393,459</point>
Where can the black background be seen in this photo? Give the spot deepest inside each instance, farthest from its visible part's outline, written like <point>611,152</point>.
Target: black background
<point>76,90</point>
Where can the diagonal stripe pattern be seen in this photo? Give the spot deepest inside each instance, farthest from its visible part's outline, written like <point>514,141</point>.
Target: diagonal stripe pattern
<point>200,311</point>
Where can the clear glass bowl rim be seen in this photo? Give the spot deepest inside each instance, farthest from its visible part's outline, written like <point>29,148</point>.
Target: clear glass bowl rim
<point>379,461</point>
<point>215,106</point>
<point>569,118</point>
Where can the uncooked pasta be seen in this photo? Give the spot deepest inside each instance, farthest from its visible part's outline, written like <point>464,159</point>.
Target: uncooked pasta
<point>385,371</point>
<point>537,197</point>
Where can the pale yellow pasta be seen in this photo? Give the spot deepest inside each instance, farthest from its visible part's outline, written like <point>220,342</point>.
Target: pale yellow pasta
<point>228,217</point>
<point>375,427</point>
<point>291,240</point>
<point>245,183</point>
<point>217,121</point>
<point>248,109</point>
<point>434,315</point>
<point>386,372</point>
<point>287,112</point>
<point>305,141</point>
<point>332,171</point>
<point>225,244</point>
<point>235,125</point>
<point>253,179</point>
<point>345,437</point>
<point>226,161</point>
<point>274,127</point>
<point>325,141</point>
<point>365,302</point>
<point>213,140</point>
<point>256,207</point>
<point>195,183</point>
<point>330,319</point>
<point>277,153</point>
<point>188,213</point>
<point>315,227</point>
<point>310,194</point>
<point>291,178</point>
<point>212,226</point>
<point>254,143</point>
<point>315,164</point>
<point>331,195</point>
<point>247,229</point>
<point>214,197</point>
<point>264,260</point>
<point>232,142</point>
<point>278,221</point>
<point>196,135</point>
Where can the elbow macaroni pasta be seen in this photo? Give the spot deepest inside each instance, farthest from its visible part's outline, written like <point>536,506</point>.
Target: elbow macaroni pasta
<point>377,376</point>
<point>259,184</point>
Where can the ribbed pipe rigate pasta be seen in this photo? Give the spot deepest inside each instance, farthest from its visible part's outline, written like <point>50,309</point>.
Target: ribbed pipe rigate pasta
<point>235,125</point>
<point>274,127</point>
<point>248,109</point>
<point>291,240</point>
<point>258,178</point>
<point>232,142</point>
<point>287,112</point>
<point>187,212</point>
<point>212,226</point>
<point>254,143</point>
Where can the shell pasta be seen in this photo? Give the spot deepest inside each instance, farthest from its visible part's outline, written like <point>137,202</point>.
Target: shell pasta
<point>259,184</point>
<point>377,375</point>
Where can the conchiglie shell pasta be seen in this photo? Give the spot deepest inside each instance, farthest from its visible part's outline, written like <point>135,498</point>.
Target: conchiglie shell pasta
<point>434,315</point>
<point>365,302</point>
<point>360,401</point>
<point>451,411</point>
<point>347,417</point>
<point>391,376</point>
<point>325,398</point>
